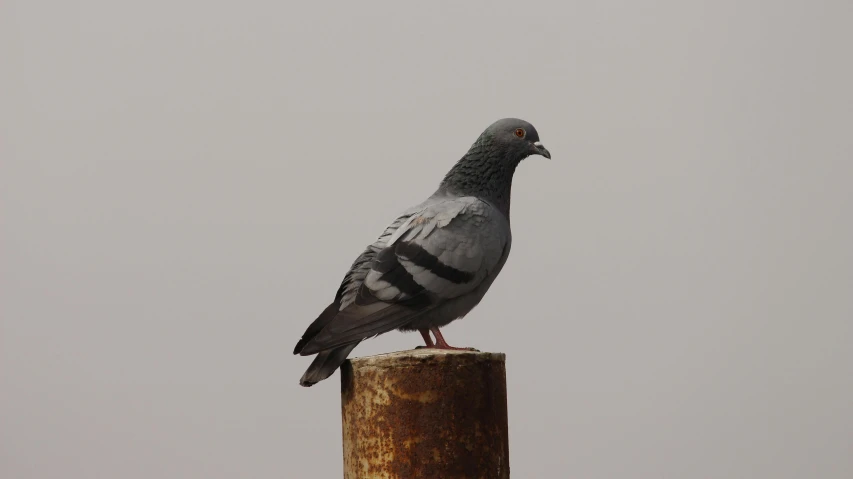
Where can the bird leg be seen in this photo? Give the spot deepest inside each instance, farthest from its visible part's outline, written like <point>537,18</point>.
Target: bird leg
<point>427,339</point>
<point>440,343</point>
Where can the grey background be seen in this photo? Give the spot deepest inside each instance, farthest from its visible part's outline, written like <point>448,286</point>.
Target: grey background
<point>184,184</point>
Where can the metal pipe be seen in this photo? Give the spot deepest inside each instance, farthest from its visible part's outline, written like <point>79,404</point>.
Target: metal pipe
<point>425,413</point>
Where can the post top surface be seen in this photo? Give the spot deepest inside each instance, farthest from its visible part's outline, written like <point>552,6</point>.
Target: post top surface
<point>424,355</point>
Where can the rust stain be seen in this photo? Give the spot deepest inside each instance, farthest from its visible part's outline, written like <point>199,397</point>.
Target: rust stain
<point>425,415</point>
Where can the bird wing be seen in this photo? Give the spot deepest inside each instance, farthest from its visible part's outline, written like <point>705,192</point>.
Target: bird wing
<point>441,250</point>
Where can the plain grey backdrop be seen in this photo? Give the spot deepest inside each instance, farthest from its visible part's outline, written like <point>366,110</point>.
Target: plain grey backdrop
<point>185,183</point>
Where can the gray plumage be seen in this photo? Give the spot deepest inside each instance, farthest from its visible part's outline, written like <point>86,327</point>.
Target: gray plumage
<point>433,264</point>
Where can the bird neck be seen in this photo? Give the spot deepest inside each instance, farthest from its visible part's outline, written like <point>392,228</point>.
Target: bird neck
<point>485,174</point>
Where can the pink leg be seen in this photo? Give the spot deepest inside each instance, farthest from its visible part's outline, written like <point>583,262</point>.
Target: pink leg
<point>427,339</point>
<point>440,343</point>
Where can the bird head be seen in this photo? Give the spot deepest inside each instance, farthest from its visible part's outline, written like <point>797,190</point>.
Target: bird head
<point>518,138</point>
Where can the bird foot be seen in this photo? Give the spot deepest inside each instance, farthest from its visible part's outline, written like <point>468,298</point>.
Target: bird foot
<point>448,348</point>
<point>453,348</point>
<point>439,343</point>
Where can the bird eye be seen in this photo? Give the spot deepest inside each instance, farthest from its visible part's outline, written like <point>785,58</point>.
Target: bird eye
<point>519,132</point>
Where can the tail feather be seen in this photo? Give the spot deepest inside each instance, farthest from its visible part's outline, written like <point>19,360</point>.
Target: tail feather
<point>325,364</point>
<point>324,319</point>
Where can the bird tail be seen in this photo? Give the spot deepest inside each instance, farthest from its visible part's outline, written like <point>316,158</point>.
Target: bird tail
<point>321,322</point>
<point>325,364</point>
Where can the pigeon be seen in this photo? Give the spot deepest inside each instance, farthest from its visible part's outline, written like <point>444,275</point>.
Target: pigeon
<point>433,264</point>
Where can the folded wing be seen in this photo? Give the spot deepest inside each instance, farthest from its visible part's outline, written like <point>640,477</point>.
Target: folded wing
<point>442,250</point>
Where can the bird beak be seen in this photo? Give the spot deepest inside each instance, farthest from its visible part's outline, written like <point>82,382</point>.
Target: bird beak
<point>541,150</point>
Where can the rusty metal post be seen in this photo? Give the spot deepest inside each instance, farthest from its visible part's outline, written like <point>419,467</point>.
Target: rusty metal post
<point>425,413</point>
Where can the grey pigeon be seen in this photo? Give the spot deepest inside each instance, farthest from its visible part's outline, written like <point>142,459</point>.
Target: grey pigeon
<point>435,262</point>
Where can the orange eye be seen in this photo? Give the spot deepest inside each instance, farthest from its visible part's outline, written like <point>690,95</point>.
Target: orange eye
<point>519,132</point>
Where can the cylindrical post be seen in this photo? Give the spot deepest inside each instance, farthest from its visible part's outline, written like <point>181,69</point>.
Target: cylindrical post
<point>425,413</point>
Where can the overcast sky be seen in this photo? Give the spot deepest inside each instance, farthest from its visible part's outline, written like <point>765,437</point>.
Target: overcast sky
<point>184,183</point>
